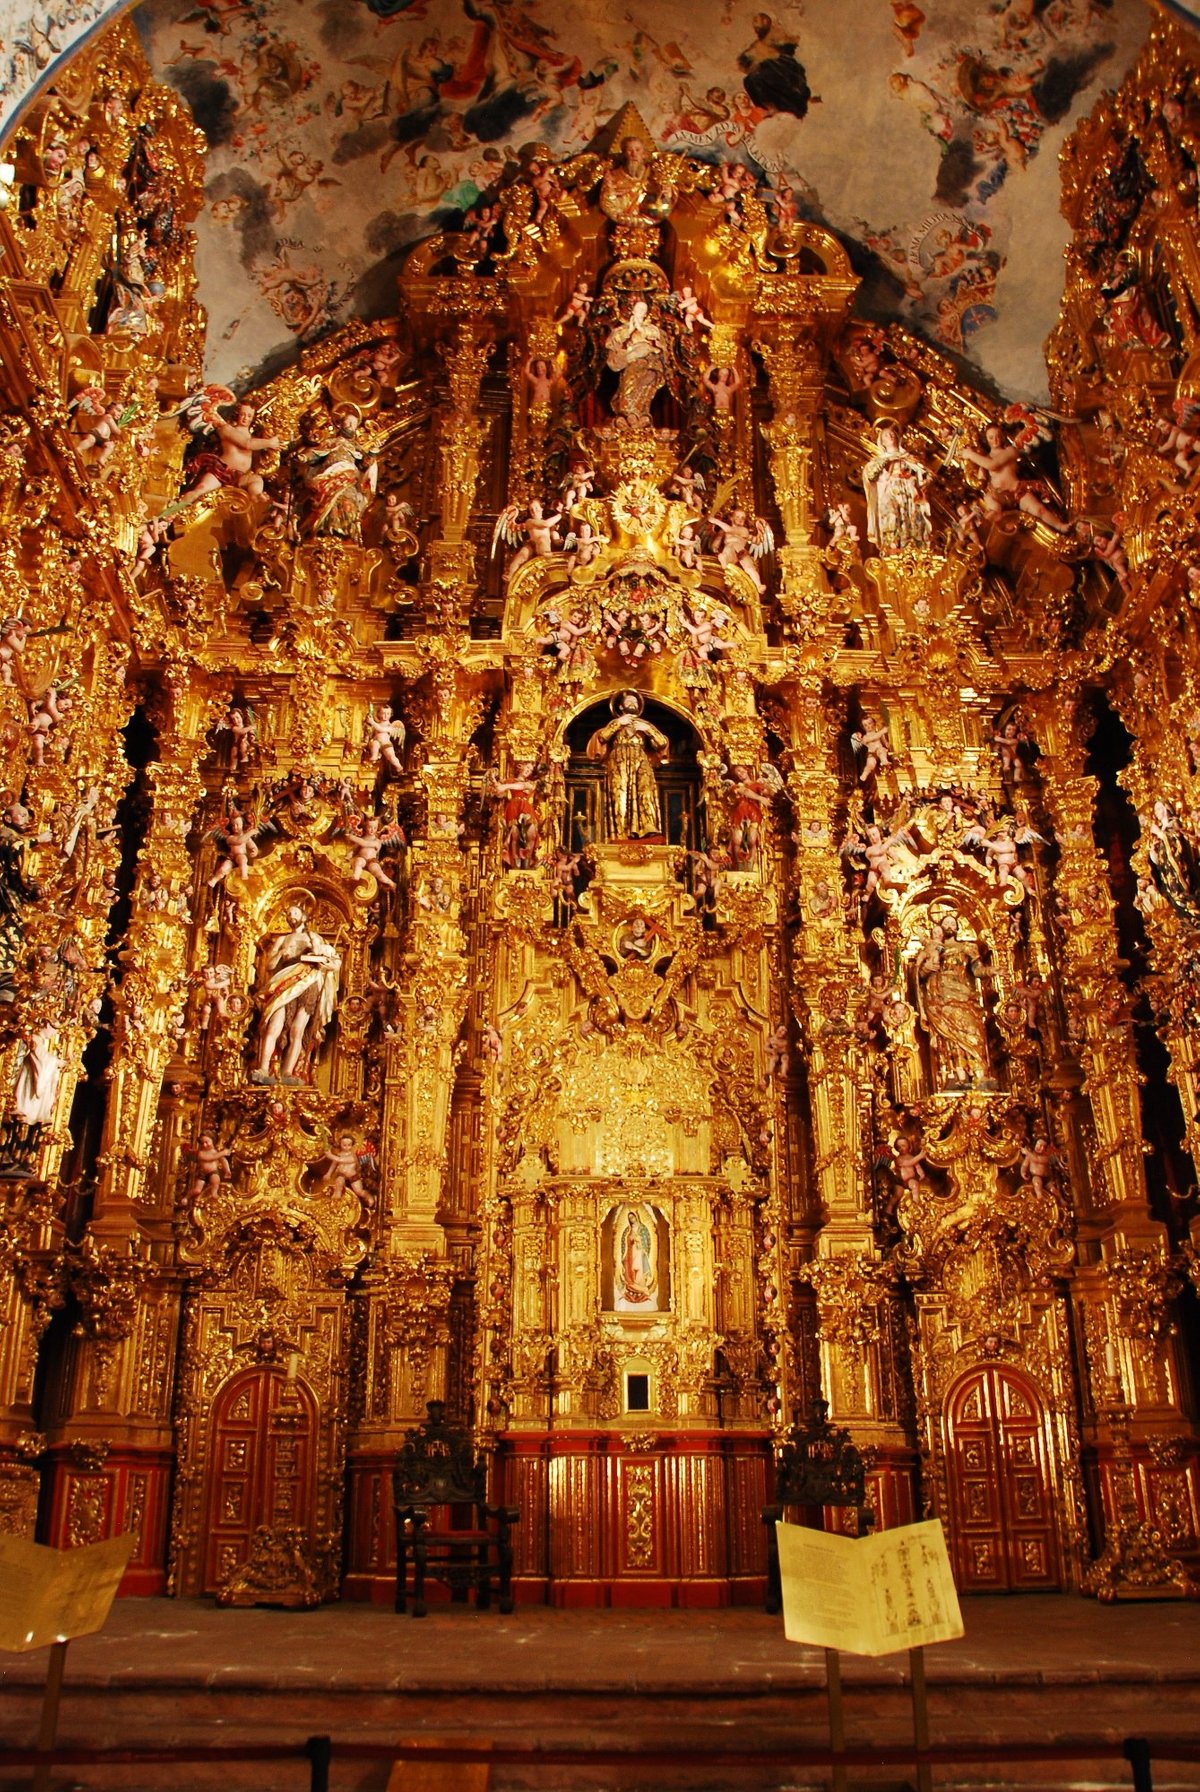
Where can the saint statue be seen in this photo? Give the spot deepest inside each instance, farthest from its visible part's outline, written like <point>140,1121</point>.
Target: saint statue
<point>1173,860</point>
<point>949,972</point>
<point>636,350</point>
<point>299,994</point>
<point>898,516</point>
<point>626,184</point>
<point>336,483</point>
<point>631,807</point>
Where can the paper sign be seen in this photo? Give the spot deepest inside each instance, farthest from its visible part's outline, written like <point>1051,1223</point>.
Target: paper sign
<point>52,1595</point>
<point>869,1595</point>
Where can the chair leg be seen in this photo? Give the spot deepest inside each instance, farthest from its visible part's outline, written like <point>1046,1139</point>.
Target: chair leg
<point>505,1576</point>
<point>483,1598</point>
<point>420,1552</point>
<point>401,1576</point>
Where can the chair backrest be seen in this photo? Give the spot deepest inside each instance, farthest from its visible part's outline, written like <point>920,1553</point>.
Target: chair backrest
<point>818,1464</point>
<point>437,1465</point>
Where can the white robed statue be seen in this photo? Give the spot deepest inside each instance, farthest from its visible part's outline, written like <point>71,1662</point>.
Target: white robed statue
<point>298,998</point>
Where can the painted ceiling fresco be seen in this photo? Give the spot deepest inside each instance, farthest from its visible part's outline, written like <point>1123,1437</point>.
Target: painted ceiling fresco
<point>927,136</point>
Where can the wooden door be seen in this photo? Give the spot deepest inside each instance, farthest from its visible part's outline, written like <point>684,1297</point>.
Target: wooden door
<point>1000,1485</point>
<point>261,1465</point>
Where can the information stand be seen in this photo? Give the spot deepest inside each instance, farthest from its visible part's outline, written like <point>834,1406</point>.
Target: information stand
<point>47,1598</point>
<point>870,1596</point>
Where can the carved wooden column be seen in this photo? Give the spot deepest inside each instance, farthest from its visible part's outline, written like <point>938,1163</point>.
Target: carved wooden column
<point>860,1326</point>
<point>1127,1280</point>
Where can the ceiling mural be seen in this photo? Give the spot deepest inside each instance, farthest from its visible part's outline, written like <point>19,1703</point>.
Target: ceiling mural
<point>341,131</point>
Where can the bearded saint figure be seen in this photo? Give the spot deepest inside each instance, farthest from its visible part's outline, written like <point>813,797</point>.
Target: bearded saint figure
<point>632,810</point>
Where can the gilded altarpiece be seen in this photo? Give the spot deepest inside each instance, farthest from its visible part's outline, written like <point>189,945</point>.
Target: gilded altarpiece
<point>555,862</point>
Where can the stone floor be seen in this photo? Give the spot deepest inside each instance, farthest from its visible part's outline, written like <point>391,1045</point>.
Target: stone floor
<point>1029,1668</point>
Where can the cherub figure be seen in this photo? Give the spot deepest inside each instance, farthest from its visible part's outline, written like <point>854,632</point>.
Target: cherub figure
<point>872,742</point>
<point>238,843</point>
<point>14,638</point>
<point>1002,848</point>
<point>1006,489</point>
<point>1037,1163</point>
<point>842,528</point>
<point>154,893</point>
<point>578,484</point>
<point>544,181</point>
<point>577,306</point>
<point>877,849</point>
<point>743,543</point>
<point>385,739</point>
<point>706,879</point>
<point>967,526</point>
<point>691,313</point>
<point>1008,741</point>
<point>776,1051</point>
<point>370,841</point>
<point>687,485</point>
<point>240,726</point>
<point>869,1023</point>
<point>232,462</point>
<point>493,1044</point>
<point>1107,546</point>
<point>567,867</point>
<point>1029,994</point>
<point>687,547</point>
<point>583,545</point>
<point>538,530</point>
<point>1179,435</point>
<point>213,1170</point>
<point>216,980</point>
<point>704,624</point>
<point>96,422</point>
<point>345,1167</point>
<point>782,200</point>
<point>153,533</point>
<point>907,1162</point>
<point>45,713</point>
<point>566,636</point>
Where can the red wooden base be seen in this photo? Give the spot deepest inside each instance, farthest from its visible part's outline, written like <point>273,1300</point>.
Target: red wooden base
<point>123,1490</point>
<point>625,1521</point>
<point>604,1521</point>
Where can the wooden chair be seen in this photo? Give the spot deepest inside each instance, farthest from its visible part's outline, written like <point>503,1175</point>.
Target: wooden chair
<point>818,1464</point>
<point>443,1520</point>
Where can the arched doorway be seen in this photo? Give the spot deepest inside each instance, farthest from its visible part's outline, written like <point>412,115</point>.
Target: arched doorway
<point>262,1466</point>
<point>1000,1485</point>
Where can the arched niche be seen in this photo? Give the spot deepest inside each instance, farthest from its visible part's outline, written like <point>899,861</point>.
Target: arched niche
<point>677,775</point>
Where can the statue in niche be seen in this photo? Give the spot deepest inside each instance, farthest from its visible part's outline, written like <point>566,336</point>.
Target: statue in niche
<point>35,1092</point>
<point>636,1282</point>
<point>636,351</point>
<point>632,810</point>
<point>950,971</point>
<point>625,189</point>
<point>299,993</point>
<point>898,517</point>
<point>336,482</point>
